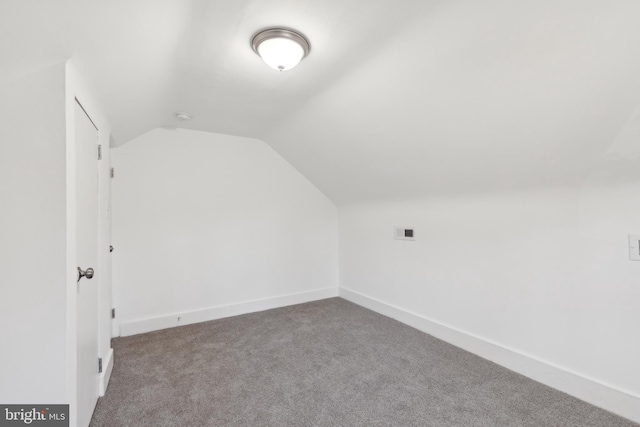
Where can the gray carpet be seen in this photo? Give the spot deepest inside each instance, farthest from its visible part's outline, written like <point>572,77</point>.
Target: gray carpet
<point>325,363</point>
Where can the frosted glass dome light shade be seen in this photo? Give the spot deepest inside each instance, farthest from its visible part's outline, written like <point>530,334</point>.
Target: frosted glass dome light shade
<point>280,48</point>
<point>281,54</point>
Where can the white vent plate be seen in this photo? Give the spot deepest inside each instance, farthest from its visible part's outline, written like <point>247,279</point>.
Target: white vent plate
<point>404,233</point>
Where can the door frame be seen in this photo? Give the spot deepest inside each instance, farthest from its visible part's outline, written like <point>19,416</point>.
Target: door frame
<point>87,143</point>
<point>75,87</point>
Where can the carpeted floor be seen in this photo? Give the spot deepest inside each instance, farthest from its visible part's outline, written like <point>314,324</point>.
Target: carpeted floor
<point>325,363</point>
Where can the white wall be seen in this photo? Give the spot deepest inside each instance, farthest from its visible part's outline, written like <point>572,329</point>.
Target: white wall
<point>37,274</point>
<point>203,220</point>
<point>33,227</point>
<point>543,273</point>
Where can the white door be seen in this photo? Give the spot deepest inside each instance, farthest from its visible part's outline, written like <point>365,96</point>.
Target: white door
<point>86,141</point>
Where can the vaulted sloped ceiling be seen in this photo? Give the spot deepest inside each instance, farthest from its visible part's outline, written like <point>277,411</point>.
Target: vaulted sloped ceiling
<point>479,96</point>
<point>396,99</point>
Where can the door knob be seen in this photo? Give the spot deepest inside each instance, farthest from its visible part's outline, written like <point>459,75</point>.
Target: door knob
<point>88,273</point>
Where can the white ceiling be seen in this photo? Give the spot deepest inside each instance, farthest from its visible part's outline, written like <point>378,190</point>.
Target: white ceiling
<point>396,99</point>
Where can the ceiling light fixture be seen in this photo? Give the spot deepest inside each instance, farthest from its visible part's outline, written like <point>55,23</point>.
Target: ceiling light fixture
<point>183,117</point>
<point>281,48</point>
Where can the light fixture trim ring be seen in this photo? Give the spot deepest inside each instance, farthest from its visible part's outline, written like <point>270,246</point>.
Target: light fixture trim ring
<point>280,32</point>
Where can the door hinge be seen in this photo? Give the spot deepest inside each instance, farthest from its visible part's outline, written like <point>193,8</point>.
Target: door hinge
<point>99,152</point>
<point>99,365</point>
<point>113,172</point>
<point>113,313</point>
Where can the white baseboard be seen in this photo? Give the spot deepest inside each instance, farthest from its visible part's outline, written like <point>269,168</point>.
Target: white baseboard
<point>105,375</point>
<point>186,318</point>
<point>610,398</point>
